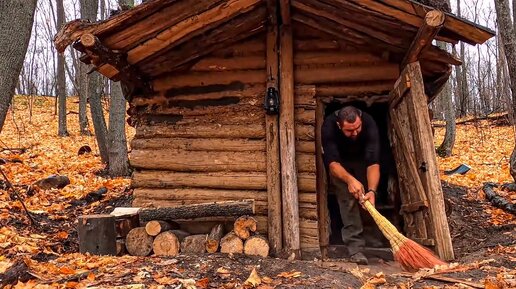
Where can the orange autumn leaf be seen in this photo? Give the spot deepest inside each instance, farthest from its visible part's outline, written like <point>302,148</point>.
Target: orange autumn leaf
<point>66,270</point>
<point>202,283</point>
<point>62,235</point>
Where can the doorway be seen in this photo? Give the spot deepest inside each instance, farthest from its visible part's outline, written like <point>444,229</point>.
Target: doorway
<point>387,202</point>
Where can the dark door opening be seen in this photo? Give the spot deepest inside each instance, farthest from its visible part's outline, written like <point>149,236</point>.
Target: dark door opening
<point>388,194</point>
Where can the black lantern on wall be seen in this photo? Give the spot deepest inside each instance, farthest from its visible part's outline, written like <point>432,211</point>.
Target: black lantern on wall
<point>271,103</point>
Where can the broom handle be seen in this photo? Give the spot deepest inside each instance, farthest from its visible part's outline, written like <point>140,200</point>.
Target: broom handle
<point>389,230</point>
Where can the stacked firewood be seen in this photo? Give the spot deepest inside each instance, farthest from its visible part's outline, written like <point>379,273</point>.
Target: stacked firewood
<point>159,237</point>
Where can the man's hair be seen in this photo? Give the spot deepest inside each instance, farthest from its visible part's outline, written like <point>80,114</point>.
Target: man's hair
<point>348,114</point>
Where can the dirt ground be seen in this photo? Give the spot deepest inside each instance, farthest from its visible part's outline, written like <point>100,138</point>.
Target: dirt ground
<point>474,240</point>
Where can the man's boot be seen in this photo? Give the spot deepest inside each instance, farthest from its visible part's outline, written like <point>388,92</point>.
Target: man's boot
<point>359,258</point>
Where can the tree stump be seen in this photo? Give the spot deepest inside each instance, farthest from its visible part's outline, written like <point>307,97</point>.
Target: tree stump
<point>153,228</point>
<point>231,243</point>
<point>97,234</point>
<point>256,246</point>
<point>195,244</point>
<point>138,242</point>
<point>213,241</point>
<point>244,226</point>
<point>166,244</point>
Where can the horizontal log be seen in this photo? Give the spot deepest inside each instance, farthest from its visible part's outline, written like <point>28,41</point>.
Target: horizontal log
<point>254,131</point>
<point>225,64</point>
<point>203,225</point>
<point>347,74</point>
<point>229,208</point>
<point>305,163</point>
<point>195,79</point>
<point>337,57</point>
<point>305,147</point>
<point>254,46</point>
<point>305,132</point>
<point>168,179</point>
<point>306,183</point>
<point>198,161</point>
<point>366,88</point>
<point>251,110</point>
<point>199,144</point>
<point>306,210</point>
<point>304,116</point>
<point>199,195</point>
<point>310,45</point>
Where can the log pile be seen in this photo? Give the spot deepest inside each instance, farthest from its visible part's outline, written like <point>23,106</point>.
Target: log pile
<point>156,238</point>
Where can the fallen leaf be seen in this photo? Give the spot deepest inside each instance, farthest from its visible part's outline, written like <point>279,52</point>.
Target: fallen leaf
<point>66,270</point>
<point>62,235</point>
<point>293,274</point>
<point>254,279</point>
<point>202,283</point>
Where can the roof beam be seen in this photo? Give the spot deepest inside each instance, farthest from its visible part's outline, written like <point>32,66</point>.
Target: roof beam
<point>106,60</point>
<point>434,20</point>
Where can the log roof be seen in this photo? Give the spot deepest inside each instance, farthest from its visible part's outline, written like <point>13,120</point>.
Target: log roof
<point>158,37</point>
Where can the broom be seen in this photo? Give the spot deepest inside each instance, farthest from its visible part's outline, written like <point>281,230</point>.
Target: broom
<point>408,253</point>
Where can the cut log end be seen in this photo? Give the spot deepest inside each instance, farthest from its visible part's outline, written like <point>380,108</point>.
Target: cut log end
<point>153,228</point>
<point>256,246</point>
<point>244,226</point>
<point>88,40</point>
<point>166,244</point>
<point>434,18</point>
<point>138,242</point>
<point>231,244</point>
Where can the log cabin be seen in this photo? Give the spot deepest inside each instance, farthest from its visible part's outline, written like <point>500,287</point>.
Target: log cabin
<point>228,97</point>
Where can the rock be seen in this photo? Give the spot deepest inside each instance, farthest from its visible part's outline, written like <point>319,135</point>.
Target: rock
<point>52,182</point>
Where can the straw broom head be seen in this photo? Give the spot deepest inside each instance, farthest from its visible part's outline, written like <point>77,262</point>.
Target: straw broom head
<point>408,253</point>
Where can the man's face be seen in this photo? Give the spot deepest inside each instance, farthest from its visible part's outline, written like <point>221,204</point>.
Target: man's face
<point>351,130</point>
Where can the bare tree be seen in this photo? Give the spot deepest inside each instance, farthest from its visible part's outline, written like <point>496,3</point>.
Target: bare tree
<point>61,78</point>
<point>16,19</point>
<point>509,44</point>
<point>89,10</point>
<point>446,147</point>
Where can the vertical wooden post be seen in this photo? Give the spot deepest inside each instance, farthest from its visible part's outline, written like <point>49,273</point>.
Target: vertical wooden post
<point>322,194</point>
<point>426,160</point>
<point>290,199</point>
<point>272,137</point>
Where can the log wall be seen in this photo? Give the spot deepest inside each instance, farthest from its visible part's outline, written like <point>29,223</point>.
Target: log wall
<point>201,137</point>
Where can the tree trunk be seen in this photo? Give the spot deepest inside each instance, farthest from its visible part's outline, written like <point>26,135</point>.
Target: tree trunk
<point>446,147</point>
<point>509,44</point>
<point>16,19</point>
<point>89,12</point>
<point>118,160</point>
<point>61,79</point>
<point>97,115</point>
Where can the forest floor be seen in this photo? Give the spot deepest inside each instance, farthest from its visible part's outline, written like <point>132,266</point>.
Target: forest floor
<point>484,237</point>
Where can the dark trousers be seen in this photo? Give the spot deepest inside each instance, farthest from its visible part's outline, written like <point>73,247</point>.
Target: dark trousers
<point>352,214</point>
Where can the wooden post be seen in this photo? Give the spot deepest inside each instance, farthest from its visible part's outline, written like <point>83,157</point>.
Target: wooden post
<point>272,138</point>
<point>287,137</point>
<point>97,234</point>
<point>434,20</point>
<point>322,194</point>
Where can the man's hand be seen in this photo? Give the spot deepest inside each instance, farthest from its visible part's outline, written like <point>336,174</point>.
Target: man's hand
<point>355,188</point>
<point>369,196</point>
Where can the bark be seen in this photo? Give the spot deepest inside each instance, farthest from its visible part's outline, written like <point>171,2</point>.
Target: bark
<point>118,159</point>
<point>509,44</point>
<point>97,115</point>
<point>446,147</point>
<point>16,19</point>
<point>61,79</point>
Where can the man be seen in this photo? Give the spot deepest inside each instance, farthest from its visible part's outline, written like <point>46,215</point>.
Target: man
<point>351,152</point>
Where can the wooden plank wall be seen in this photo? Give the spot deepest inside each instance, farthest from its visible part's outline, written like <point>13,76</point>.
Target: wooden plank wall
<point>202,138</point>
